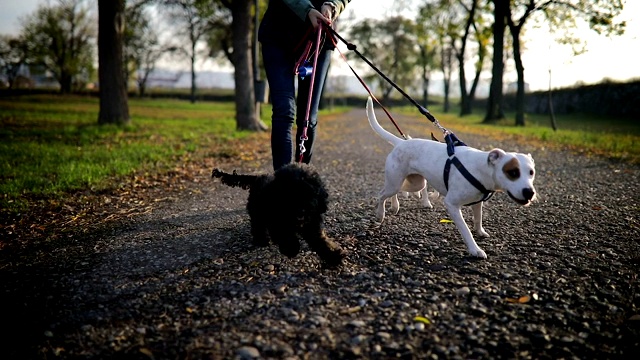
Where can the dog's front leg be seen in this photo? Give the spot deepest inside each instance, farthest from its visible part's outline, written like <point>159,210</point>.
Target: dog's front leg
<point>456,216</point>
<point>477,220</point>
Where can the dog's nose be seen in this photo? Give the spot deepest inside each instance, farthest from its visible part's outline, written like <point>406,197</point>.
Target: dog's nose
<point>528,193</point>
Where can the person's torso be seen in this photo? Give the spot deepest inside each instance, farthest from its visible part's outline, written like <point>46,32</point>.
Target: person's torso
<point>282,27</point>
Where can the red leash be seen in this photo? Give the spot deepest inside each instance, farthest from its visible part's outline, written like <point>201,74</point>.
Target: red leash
<point>304,136</point>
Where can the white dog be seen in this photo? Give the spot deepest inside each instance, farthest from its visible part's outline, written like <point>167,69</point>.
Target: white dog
<point>467,177</point>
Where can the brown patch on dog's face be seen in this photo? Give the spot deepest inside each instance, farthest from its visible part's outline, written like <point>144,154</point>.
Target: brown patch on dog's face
<point>512,169</point>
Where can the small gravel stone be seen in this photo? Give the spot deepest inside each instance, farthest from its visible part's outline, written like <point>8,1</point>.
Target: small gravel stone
<point>248,352</point>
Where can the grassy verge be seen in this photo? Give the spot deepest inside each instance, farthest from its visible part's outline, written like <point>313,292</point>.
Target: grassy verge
<point>614,138</point>
<point>51,145</point>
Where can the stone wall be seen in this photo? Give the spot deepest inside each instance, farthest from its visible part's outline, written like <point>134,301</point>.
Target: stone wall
<point>611,99</point>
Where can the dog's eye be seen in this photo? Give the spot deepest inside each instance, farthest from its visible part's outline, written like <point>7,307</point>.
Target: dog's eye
<point>531,172</point>
<point>513,173</point>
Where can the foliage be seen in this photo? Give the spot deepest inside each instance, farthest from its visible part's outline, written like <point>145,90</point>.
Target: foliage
<point>61,38</point>
<point>391,45</point>
<point>13,55</point>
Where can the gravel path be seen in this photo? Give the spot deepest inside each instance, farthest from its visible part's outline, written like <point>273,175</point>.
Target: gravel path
<point>183,281</point>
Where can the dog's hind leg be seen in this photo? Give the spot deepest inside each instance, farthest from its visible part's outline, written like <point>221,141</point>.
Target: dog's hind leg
<point>390,190</point>
<point>395,204</point>
<point>477,220</point>
<point>456,216</point>
<point>424,198</point>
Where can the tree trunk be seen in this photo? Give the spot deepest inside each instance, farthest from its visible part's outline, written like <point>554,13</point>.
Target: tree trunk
<point>193,73</point>
<point>447,104</point>
<point>495,109</point>
<point>465,105</point>
<point>425,78</point>
<point>465,100</point>
<point>246,116</point>
<point>114,107</point>
<point>520,100</point>
<point>446,71</point>
<point>551,112</point>
<point>66,81</point>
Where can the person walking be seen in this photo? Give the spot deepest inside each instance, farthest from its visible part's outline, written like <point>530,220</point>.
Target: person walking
<point>282,35</point>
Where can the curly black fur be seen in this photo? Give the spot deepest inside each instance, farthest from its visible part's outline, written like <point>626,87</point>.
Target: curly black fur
<point>285,206</point>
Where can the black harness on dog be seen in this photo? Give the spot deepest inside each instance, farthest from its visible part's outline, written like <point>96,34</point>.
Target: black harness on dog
<point>453,141</point>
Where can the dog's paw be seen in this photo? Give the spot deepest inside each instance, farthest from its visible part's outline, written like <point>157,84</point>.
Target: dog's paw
<point>481,233</point>
<point>479,253</point>
<point>426,203</point>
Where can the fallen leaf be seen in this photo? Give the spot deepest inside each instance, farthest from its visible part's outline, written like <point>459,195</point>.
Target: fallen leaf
<point>445,221</point>
<point>147,352</point>
<point>521,300</point>
<point>422,319</point>
<point>351,310</point>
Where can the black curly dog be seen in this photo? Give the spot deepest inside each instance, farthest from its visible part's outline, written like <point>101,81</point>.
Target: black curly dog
<point>286,205</point>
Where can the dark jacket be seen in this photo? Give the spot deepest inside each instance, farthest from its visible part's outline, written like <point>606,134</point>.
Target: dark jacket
<point>283,27</point>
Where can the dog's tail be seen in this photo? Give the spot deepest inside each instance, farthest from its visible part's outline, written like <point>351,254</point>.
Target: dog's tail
<point>392,139</point>
<point>234,180</point>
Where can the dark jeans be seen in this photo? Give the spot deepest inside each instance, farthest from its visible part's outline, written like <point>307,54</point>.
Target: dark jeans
<point>279,65</point>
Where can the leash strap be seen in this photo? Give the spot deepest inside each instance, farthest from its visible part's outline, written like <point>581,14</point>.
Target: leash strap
<point>453,142</point>
<point>304,136</point>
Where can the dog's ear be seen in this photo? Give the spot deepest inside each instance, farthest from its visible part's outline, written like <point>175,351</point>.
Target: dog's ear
<point>495,155</point>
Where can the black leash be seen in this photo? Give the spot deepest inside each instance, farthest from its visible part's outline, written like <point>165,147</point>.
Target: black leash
<point>421,108</point>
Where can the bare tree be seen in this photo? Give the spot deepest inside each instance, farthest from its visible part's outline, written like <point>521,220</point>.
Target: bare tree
<point>142,48</point>
<point>193,21</point>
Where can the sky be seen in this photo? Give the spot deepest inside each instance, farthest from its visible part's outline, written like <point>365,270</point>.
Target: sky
<point>606,58</point>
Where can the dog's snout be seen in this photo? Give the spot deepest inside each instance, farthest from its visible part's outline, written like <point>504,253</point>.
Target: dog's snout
<point>528,193</point>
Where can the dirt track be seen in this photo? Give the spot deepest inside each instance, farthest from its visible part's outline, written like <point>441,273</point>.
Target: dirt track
<point>183,281</point>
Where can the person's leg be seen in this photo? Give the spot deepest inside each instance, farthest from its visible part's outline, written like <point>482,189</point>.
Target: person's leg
<point>324,58</point>
<point>279,69</point>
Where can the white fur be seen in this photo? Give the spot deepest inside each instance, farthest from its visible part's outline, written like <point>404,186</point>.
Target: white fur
<point>413,162</point>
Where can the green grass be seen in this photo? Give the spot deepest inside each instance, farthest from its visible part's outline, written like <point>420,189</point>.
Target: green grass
<point>611,137</point>
<point>52,145</point>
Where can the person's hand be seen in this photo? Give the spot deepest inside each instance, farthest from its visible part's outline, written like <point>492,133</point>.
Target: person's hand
<point>327,11</point>
<point>316,17</point>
